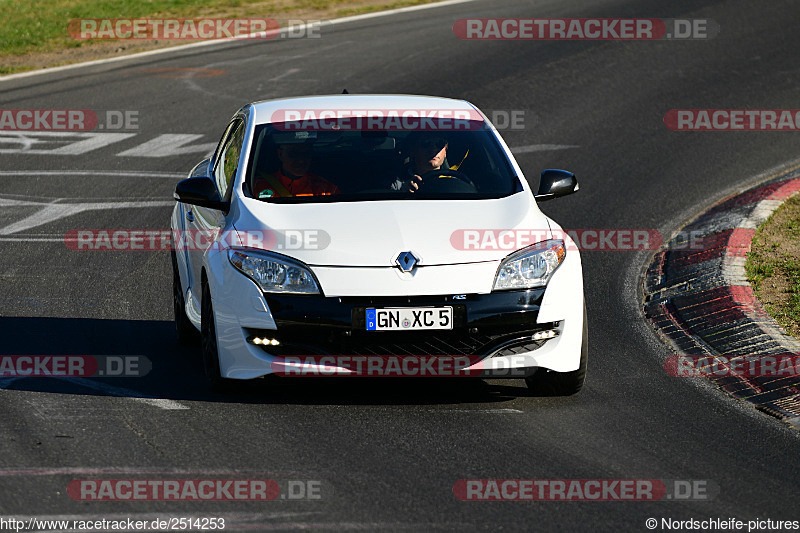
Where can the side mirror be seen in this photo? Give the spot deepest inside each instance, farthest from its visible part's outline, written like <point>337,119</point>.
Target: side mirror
<point>555,183</point>
<point>201,191</point>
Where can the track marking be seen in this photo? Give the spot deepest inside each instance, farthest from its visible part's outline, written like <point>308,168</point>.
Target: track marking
<point>71,143</point>
<point>542,148</point>
<point>164,145</point>
<point>498,411</point>
<point>30,239</point>
<point>285,74</point>
<point>105,173</point>
<point>169,144</point>
<point>52,211</point>
<point>113,470</point>
<point>76,143</point>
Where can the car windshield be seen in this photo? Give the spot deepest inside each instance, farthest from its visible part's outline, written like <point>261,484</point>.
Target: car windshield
<point>290,165</point>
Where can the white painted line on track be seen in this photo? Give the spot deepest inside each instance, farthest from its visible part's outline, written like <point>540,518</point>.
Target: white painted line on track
<point>243,38</point>
<point>50,212</point>
<point>170,144</point>
<point>542,148</point>
<point>30,239</point>
<point>111,173</point>
<point>78,143</point>
<point>165,145</point>
<point>498,411</point>
<point>285,74</point>
<point>139,470</point>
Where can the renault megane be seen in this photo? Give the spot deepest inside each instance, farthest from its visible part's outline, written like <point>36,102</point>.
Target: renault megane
<point>333,230</point>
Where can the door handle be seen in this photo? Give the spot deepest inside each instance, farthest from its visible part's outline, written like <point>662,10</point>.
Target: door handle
<point>189,216</point>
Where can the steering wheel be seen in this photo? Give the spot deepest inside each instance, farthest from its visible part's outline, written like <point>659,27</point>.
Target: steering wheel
<point>432,175</point>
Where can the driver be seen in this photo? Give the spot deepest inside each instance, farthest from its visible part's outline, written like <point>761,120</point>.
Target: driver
<point>428,151</point>
<point>294,177</point>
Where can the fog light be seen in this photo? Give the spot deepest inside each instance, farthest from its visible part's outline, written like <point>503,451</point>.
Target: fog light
<point>262,341</point>
<point>544,335</point>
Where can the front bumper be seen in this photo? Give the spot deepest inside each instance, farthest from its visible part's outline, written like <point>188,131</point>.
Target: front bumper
<point>320,325</point>
<point>494,330</point>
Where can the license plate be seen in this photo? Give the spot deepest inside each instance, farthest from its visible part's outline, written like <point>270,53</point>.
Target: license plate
<point>409,318</point>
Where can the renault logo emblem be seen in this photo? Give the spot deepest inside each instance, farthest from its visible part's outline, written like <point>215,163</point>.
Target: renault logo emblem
<point>406,261</point>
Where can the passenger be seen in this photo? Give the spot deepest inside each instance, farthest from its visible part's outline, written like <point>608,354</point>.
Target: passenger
<point>294,177</point>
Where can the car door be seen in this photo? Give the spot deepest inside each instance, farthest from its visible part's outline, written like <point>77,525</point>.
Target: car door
<point>204,224</point>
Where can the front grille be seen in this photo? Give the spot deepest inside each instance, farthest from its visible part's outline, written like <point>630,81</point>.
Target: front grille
<point>412,343</point>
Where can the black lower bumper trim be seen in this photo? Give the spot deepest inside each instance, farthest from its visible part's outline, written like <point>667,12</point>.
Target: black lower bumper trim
<point>310,325</point>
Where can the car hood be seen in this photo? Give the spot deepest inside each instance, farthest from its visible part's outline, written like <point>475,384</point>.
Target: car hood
<point>374,233</point>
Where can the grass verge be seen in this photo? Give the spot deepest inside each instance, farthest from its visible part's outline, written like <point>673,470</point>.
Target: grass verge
<point>773,265</point>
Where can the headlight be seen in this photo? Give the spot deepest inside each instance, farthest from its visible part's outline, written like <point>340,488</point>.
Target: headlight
<point>530,267</point>
<point>274,273</point>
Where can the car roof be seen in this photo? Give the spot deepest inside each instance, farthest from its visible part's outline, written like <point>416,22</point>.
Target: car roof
<point>264,110</point>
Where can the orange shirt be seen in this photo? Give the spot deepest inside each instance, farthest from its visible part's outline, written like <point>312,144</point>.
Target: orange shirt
<point>308,185</point>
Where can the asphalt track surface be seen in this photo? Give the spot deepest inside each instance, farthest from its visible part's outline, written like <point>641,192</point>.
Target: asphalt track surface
<point>389,453</point>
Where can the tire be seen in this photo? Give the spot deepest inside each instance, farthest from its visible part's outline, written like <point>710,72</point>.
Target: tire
<point>187,333</point>
<point>208,344</point>
<point>549,383</point>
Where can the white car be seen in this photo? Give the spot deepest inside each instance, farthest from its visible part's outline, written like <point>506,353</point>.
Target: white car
<point>375,235</point>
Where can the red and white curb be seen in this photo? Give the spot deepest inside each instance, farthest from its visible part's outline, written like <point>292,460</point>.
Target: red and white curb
<point>700,302</point>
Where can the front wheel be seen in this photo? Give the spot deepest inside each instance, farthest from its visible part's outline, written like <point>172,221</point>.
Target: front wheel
<point>552,383</point>
<point>209,348</point>
<point>187,333</point>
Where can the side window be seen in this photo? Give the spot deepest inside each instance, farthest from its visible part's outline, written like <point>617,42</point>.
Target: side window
<point>228,158</point>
